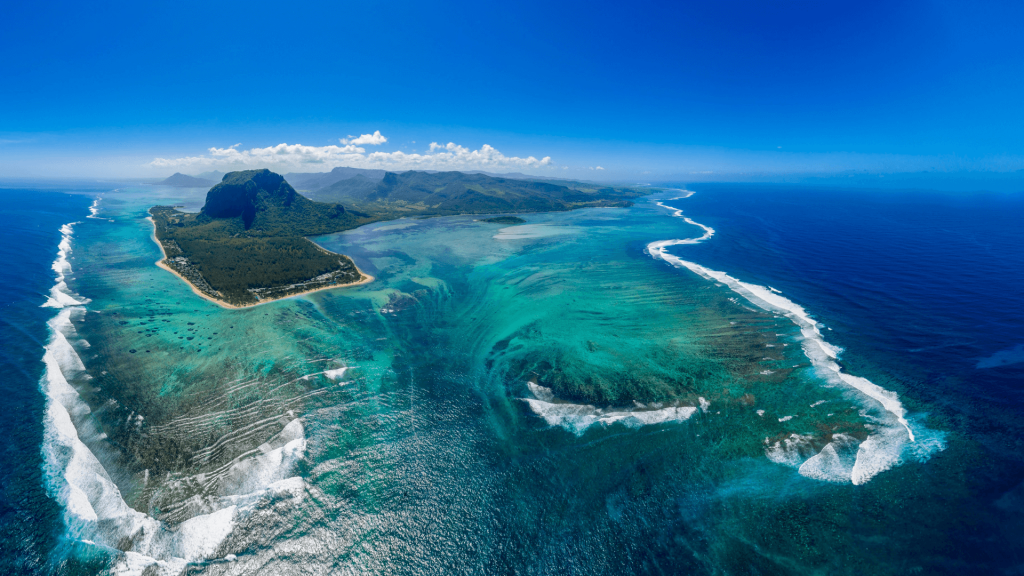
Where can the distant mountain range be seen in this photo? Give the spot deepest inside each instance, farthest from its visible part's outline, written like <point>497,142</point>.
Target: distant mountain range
<point>445,193</point>
<point>437,193</point>
<point>215,175</point>
<point>184,181</point>
<point>312,181</point>
<point>321,186</point>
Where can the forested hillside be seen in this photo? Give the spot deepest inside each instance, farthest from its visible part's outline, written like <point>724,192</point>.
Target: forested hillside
<point>247,244</point>
<point>447,193</point>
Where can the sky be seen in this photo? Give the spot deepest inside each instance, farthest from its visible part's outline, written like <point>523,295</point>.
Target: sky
<point>631,91</point>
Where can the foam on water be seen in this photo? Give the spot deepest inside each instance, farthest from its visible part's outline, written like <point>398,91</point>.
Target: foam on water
<point>790,451</point>
<point>94,511</point>
<point>60,295</point>
<point>94,209</point>
<point>336,374</point>
<point>577,418</point>
<point>837,461</point>
<point>885,447</point>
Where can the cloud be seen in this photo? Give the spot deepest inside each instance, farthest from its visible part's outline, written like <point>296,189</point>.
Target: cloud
<point>375,139</point>
<point>599,168</point>
<point>298,157</point>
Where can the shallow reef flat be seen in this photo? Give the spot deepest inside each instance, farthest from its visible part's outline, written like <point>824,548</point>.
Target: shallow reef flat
<point>485,388</point>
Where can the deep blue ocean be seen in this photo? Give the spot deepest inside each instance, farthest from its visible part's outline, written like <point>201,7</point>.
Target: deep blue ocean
<point>923,290</point>
<point>30,221</point>
<point>924,287</point>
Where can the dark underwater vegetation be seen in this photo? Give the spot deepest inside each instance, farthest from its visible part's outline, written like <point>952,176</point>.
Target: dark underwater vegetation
<point>541,397</point>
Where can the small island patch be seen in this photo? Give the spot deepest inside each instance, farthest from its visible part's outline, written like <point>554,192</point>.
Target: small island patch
<point>505,220</point>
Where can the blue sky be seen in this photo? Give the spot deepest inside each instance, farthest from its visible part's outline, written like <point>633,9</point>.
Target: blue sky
<point>645,90</point>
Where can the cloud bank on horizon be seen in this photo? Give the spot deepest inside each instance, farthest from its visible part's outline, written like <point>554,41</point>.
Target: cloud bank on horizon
<point>351,152</point>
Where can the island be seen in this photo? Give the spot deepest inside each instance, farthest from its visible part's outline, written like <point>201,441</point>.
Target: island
<point>505,220</point>
<point>249,244</point>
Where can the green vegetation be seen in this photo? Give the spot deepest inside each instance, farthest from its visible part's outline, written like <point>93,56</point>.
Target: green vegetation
<point>248,243</point>
<point>450,193</point>
<point>505,220</point>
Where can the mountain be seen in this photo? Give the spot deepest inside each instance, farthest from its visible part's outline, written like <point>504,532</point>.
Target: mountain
<point>266,204</point>
<point>440,193</point>
<point>312,181</point>
<point>247,243</point>
<point>354,187</point>
<point>184,181</point>
<point>215,175</point>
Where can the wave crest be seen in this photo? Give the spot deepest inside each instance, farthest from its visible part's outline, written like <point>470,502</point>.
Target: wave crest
<point>889,442</point>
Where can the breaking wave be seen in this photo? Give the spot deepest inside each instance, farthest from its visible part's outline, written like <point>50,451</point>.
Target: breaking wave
<point>843,459</point>
<point>577,418</point>
<point>94,512</point>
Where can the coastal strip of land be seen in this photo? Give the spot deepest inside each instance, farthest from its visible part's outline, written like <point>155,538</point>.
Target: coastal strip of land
<point>364,279</point>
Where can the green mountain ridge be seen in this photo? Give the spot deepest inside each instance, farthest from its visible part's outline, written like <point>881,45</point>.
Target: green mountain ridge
<point>448,193</point>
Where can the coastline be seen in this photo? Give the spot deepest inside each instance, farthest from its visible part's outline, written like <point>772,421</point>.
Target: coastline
<point>364,278</point>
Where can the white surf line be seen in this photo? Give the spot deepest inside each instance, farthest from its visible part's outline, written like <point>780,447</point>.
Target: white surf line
<point>94,511</point>
<point>60,296</point>
<point>577,418</point>
<point>821,354</point>
<point>94,209</point>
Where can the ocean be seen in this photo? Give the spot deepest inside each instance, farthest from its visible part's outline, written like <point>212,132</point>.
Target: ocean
<point>719,379</point>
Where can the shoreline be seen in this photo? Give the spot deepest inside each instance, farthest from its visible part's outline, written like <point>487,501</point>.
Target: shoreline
<point>364,278</point>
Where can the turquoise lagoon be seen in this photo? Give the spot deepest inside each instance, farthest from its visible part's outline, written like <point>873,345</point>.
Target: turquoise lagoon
<point>570,395</point>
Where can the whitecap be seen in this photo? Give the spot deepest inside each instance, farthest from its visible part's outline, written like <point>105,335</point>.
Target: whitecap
<point>94,511</point>
<point>60,295</point>
<point>790,451</point>
<point>94,209</point>
<point>577,418</point>
<point>337,373</point>
<point>890,440</point>
<point>835,463</point>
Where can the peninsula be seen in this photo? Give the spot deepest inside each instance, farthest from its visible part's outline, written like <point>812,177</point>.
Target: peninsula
<point>248,245</point>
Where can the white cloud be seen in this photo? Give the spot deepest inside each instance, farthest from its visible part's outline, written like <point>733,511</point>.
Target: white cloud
<point>375,139</point>
<point>599,168</point>
<point>297,157</point>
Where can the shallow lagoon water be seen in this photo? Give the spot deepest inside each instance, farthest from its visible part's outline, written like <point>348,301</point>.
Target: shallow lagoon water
<point>491,403</point>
